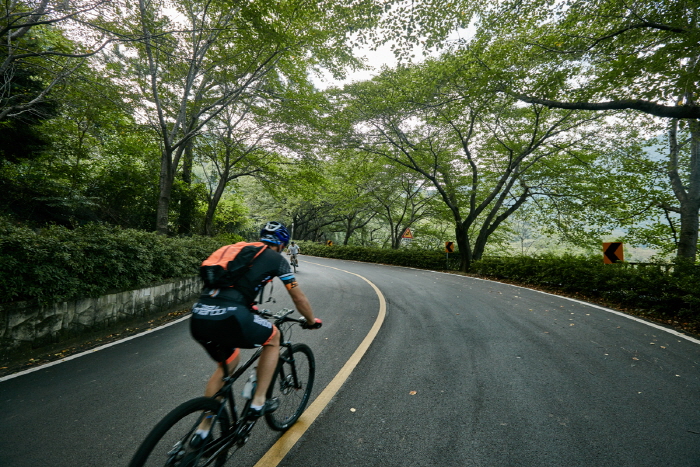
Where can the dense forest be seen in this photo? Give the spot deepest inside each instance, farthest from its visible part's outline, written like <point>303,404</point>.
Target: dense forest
<point>503,122</point>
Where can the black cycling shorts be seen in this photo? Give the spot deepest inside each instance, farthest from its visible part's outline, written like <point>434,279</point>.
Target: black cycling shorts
<point>221,327</point>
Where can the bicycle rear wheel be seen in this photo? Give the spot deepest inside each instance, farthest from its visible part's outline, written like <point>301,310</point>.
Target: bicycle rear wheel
<point>292,385</point>
<point>168,444</point>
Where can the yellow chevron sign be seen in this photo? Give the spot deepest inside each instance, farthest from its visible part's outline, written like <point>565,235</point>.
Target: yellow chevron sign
<point>613,252</point>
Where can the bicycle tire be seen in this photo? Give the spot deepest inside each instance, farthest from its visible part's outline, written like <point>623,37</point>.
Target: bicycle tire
<point>293,395</point>
<point>168,443</point>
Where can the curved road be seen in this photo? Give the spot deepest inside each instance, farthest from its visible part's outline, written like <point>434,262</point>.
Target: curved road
<point>462,372</point>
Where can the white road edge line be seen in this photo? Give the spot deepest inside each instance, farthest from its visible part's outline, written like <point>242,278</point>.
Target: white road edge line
<point>102,347</point>
<point>280,449</point>
<point>581,302</point>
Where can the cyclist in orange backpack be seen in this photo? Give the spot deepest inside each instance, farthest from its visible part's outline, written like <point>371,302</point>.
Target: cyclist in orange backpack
<point>222,319</point>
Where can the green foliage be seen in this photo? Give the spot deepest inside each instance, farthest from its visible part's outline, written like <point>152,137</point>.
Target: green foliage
<point>228,238</point>
<point>231,216</point>
<point>58,264</point>
<point>651,287</point>
<point>646,287</point>
<point>424,259</point>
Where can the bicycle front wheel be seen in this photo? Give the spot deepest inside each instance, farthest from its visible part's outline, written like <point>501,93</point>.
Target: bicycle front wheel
<point>168,444</point>
<point>292,385</point>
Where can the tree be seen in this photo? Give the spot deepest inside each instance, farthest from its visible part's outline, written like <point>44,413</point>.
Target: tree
<point>237,147</point>
<point>601,55</point>
<point>480,152</point>
<point>645,57</point>
<point>347,191</point>
<point>36,56</point>
<point>193,65</point>
<point>402,198</point>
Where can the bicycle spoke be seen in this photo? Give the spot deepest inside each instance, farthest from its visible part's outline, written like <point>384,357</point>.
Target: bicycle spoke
<point>292,386</point>
<point>168,445</point>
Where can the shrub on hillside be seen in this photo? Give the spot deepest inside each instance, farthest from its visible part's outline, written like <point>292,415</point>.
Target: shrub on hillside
<point>58,264</point>
<point>425,259</point>
<point>649,287</point>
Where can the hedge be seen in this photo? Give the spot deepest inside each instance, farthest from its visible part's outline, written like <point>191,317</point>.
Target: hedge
<point>650,287</point>
<point>60,264</point>
<point>424,259</point>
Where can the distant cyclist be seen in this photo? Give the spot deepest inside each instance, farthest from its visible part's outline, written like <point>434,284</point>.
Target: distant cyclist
<point>222,320</point>
<point>293,250</point>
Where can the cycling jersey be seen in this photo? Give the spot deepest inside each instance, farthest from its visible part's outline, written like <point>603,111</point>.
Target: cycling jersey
<point>221,318</point>
<point>268,265</point>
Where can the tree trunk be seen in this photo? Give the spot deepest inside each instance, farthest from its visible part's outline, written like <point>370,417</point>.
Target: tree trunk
<point>465,253</point>
<point>688,237</point>
<point>348,230</point>
<point>165,187</point>
<point>688,193</point>
<point>213,204</point>
<point>187,203</point>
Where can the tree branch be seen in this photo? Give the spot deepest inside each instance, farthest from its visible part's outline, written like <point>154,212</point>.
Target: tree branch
<point>687,111</point>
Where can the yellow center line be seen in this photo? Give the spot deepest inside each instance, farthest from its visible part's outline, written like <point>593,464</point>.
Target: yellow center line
<point>280,449</point>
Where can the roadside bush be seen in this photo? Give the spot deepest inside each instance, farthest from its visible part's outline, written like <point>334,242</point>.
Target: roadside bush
<point>646,288</point>
<point>58,264</point>
<point>424,259</point>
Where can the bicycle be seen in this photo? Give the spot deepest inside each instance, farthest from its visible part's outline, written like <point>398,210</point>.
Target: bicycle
<point>168,444</point>
<point>294,262</point>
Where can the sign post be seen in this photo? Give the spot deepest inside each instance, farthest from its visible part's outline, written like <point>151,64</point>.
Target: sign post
<point>407,234</point>
<point>449,248</point>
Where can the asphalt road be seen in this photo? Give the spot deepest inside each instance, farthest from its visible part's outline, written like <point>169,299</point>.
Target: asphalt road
<point>463,372</point>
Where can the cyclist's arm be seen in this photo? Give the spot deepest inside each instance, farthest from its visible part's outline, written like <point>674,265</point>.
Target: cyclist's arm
<point>301,303</point>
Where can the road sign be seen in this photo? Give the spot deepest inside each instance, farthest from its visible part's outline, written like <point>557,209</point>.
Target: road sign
<point>329,243</point>
<point>407,234</point>
<point>613,252</point>
<point>449,247</point>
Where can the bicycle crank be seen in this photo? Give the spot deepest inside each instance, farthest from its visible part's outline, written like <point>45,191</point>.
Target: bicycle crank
<point>244,432</point>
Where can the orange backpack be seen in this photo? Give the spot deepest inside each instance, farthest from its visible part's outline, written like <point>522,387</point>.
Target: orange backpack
<point>228,264</point>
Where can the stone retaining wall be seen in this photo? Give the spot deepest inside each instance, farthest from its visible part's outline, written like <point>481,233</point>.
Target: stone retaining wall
<point>27,325</point>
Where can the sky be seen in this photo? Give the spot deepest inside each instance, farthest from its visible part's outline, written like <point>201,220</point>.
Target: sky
<point>383,56</point>
<point>375,58</point>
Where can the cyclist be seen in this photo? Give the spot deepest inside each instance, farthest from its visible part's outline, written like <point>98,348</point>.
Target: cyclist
<point>222,321</point>
<point>293,250</point>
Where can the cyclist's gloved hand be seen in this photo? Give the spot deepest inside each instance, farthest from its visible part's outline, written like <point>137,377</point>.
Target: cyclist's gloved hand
<point>316,324</point>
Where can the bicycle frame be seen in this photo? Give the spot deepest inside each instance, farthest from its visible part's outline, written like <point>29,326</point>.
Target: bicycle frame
<point>240,427</point>
<point>230,427</point>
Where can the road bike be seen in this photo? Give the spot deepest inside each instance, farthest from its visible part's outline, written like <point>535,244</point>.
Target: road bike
<point>294,262</point>
<point>168,444</point>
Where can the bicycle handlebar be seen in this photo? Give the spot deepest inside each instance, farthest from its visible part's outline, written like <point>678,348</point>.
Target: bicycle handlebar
<point>281,316</point>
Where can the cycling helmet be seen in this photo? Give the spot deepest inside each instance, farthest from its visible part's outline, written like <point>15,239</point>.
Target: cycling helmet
<point>275,233</point>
